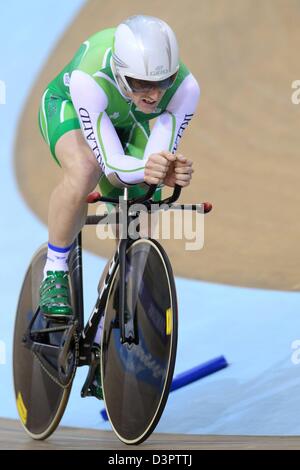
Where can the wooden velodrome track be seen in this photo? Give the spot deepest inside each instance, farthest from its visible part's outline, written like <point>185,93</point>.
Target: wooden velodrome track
<point>245,143</point>
<point>12,436</point>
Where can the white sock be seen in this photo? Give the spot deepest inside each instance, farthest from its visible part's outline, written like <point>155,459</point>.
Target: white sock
<point>57,259</point>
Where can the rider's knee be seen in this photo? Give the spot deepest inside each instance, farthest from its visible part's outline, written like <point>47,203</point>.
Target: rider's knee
<point>83,173</point>
<point>81,169</point>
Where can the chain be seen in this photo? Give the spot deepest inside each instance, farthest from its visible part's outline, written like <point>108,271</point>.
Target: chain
<point>54,379</point>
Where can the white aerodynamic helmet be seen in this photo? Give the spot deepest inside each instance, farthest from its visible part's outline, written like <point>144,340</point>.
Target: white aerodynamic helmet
<point>145,48</point>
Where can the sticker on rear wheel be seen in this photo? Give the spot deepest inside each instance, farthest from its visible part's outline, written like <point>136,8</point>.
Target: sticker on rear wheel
<point>169,321</point>
<point>21,409</point>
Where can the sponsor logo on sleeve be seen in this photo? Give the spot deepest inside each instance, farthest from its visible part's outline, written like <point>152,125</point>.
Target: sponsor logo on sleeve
<point>90,134</point>
<point>185,123</point>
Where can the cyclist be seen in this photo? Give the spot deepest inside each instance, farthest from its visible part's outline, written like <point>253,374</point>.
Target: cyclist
<point>95,117</point>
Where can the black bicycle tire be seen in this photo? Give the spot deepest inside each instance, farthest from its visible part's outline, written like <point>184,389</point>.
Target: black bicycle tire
<point>173,349</point>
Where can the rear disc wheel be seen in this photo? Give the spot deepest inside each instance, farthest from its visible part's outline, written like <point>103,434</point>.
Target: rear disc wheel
<point>41,399</point>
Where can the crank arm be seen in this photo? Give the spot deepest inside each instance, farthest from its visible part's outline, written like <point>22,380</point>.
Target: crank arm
<point>86,389</point>
<point>65,344</point>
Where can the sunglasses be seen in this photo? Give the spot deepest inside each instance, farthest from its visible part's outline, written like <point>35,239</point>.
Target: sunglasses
<point>142,86</point>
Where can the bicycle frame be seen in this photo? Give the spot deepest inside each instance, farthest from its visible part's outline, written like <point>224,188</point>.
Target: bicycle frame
<point>87,333</point>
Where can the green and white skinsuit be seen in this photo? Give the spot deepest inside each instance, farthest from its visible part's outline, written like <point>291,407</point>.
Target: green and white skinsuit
<point>86,95</point>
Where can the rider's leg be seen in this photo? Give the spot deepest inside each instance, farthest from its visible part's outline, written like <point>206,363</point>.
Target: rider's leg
<point>68,209</point>
<point>81,173</point>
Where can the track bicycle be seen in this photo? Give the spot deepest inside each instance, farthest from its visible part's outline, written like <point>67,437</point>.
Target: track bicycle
<point>137,300</point>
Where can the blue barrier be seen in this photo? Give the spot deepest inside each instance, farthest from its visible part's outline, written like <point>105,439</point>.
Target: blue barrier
<point>198,372</point>
<point>104,414</point>
<point>191,375</point>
